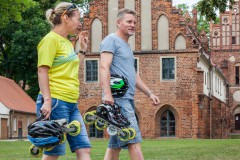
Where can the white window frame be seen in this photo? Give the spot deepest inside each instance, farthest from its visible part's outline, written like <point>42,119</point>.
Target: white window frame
<point>175,69</point>
<point>85,78</point>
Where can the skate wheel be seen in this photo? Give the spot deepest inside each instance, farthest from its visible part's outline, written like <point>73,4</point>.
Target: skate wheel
<point>64,137</point>
<point>132,133</point>
<point>35,151</point>
<point>93,111</point>
<point>124,134</point>
<point>100,124</point>
<point>87,117</point>
<point>77,128</point>
<point>111,130</point>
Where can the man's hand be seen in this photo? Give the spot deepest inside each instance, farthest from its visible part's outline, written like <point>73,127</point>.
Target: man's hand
<point>108,99</point>
<point>155,99</point>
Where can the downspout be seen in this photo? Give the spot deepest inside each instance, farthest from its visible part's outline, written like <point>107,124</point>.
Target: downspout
<point>10,124</point>
<point>210,96</point>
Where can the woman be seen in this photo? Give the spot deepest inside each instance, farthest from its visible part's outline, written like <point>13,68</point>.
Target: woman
<point>58,66</point>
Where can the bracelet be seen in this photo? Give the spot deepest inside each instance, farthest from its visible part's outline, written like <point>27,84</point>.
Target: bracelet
<point>149,93</point>
<point>82,52</point>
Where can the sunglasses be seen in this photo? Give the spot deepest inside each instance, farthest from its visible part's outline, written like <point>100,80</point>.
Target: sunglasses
<point>73,6</point>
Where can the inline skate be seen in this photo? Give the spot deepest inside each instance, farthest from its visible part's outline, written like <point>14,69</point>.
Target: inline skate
<point>47,134</point>
<point>110,117</point>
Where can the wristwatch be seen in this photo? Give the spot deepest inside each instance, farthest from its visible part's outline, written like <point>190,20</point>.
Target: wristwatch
<point>82,52</point>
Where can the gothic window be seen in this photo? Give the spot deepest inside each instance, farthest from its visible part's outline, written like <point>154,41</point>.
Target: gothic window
<point>91,70</point>
<point>112,12</point>
<point>163,33</point>
<point>93,132</point>
<point>168,68</point>
<point>96,35</point>
<point>167,124</point>
<point>180,43</point>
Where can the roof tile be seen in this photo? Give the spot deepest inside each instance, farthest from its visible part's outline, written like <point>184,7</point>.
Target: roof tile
<point>14,97</point>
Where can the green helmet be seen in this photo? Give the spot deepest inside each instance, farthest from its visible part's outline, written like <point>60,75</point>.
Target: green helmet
<point>119,85</point>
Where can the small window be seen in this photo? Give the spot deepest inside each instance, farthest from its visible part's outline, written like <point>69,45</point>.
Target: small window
<point>168,69</point>
<point>136,64</point>
<point>233,40</point>
<point>91,70</point>
<point>237,74</point>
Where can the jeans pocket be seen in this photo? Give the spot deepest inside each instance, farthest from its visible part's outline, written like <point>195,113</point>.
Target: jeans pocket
<point>54,103</point>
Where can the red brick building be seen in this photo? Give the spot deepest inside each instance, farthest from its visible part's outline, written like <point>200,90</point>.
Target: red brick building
<point>225,42</point>
<point>173,61</point>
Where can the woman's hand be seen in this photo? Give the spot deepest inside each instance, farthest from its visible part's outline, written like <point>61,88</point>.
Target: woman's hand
<point>83,40</point>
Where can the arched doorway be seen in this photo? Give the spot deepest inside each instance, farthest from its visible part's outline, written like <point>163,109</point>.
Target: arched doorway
<point>237,122</point>
<point>167,124</point>
<point>237,117</point>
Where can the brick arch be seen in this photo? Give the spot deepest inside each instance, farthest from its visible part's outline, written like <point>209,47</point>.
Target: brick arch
<point>163,33</point>
<point>91,109</point>
<point>236,110</point>
<point>176,36</point>
<point>158,115</point>
<point>155,21</point>
<point>96,33</point>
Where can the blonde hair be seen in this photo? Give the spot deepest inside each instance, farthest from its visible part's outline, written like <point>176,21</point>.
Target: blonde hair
<point>54,15</point>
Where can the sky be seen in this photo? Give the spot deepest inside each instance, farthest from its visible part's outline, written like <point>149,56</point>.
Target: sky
<point>188,2</point>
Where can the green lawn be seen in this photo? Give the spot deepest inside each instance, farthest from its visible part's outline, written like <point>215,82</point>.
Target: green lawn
<point>170,149</point>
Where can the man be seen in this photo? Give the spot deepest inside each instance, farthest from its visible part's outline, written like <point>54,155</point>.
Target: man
<point>117,57</point>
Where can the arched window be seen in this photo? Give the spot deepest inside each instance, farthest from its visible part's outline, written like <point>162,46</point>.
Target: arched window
<point>167,124</point>
<point>112,12</point>
<point>180,43</point>
<point>163,33</point>
<point>96,36</point>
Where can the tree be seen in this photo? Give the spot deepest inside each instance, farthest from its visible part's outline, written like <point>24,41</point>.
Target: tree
<point>11,10</point>
<point>208,8</point>
<point>19,39</point>
<point>183,7</point>
<point>20,62</point>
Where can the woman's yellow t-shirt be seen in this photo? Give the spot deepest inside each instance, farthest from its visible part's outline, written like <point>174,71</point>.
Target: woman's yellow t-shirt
<point>58,53</point>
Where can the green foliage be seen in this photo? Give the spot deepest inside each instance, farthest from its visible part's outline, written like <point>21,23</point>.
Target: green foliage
<point>183,7</point>
<point>21,60</point>
<point>11,10</point>
<point>209,8</point>
<point>23,25</point>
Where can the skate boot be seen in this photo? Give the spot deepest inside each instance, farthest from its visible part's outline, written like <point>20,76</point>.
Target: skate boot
<point>110,116</point>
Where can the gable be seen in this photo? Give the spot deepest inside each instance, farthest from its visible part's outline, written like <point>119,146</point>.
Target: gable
<point>14,97</point>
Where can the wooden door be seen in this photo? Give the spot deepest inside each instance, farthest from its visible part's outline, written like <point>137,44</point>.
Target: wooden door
<point>4,129</point>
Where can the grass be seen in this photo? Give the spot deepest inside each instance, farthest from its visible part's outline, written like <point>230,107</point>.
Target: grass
<point>167,149</point>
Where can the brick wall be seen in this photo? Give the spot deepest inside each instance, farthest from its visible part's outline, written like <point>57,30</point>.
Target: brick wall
<point>182,96</point>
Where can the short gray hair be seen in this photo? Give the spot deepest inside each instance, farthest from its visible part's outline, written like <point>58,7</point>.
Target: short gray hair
<point>124,11</point>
